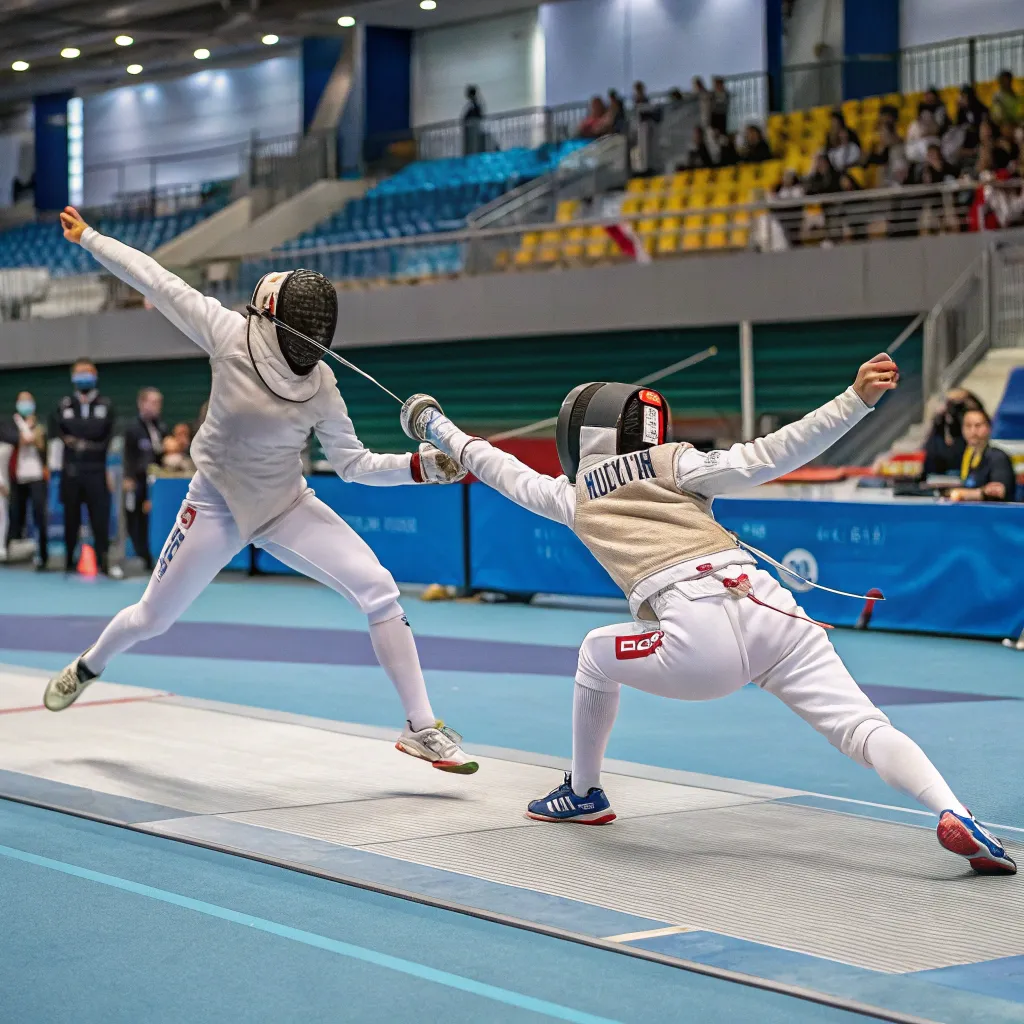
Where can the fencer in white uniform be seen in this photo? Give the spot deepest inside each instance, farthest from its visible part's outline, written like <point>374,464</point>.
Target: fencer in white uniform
<point>706,620</point>
<point>270,390</point>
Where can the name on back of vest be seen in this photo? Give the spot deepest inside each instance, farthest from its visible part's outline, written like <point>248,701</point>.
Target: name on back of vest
<point>616,473</point>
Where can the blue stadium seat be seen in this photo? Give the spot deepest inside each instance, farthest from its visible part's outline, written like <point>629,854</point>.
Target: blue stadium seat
<point>1008,424</point>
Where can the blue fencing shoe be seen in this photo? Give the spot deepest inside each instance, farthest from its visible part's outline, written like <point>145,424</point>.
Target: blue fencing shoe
<point>562,804</point>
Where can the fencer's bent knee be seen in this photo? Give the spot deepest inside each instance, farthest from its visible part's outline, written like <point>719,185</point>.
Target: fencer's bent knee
<point>376,596</point>
<point>588,670</point>
<point>855,740</point>
<point>392,610</point>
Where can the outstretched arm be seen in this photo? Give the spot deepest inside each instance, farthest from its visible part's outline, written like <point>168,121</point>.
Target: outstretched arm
<point>767,458</point>
<point>355,464</point>
<point>199,317</point>
<point>546,496</point>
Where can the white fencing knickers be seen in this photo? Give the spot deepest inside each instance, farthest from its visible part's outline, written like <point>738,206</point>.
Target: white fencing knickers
<point>309,537</point>
<point>710,641</point>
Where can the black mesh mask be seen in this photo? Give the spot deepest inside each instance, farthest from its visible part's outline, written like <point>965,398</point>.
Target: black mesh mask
<point>308,303</point>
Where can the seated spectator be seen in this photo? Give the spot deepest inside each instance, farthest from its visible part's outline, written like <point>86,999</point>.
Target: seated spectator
<point>970,112</point>
<point>989,157</point>
<point>823,178</point>
<point>846,153</point>
<point>986,473</point>
<point>594,125</point>
<point>935,170</point>
<point>944,446</point>
<point>755,146</point>
<point>781,228</point>
<point>889,154</point>
<point>175,460</point>
<point>703,94</point>
<point>836,125</point>
<point>698,154</point>
<point>1007,142</point>
<point>182,433</point>
<point>1007,106</point>
<point>931,102</point>
<point>922,133</point>
<point>789,187</point>
<point>28,475</point>
<point>719,119</point>
<point>727,155</point>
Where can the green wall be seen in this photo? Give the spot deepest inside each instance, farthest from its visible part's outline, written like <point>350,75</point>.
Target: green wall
<point>493,384</point>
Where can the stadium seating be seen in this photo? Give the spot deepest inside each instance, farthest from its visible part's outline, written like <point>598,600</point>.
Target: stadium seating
<point>43,245</point>
<point>427,197</point>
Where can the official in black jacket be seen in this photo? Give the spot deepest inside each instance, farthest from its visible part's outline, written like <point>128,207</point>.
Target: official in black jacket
<point>985,472</point>
<point>84,421</point>
<point>143,446</point>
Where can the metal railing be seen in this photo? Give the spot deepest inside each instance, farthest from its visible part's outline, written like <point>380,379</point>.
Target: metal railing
<point>957,331</point>
<point>959,61</point>
<point>1008,296</point>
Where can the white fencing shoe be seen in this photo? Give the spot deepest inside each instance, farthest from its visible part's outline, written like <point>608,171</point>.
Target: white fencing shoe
<point>439,745</point>
<point>68,685</point>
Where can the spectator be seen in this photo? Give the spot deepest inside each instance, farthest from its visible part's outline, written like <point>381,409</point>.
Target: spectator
<point>175,461</point>
<point>182,433</point>
<point>836,125</point>
<point>932,102</point>
<point>889,154</point>
<point>473,122</point>
<point>989,157</point>
<point>143,447</point>
<point>594,125</point>
<point>719,119</point>
<point>698,155</point>
<point>944,447</point>
<point>727,155</point>
<point>1007,106</point>
<point>755,146</point>
<point>846,153</point>
<point>823,178</point>
<point>28,475</point>
<point>616,113</point>
<point>85,423</point>
<point>922,133</point>
<point>705,101</point>
<point>970,112</point>
<point>1007,142</point>
<point>986,473</point>
<point>781,228</point>
<point>935,169</point>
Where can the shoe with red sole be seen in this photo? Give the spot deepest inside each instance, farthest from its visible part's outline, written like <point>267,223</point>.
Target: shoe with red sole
<point>562,804</point>
<point>440,745</point>
<point>964,836</point>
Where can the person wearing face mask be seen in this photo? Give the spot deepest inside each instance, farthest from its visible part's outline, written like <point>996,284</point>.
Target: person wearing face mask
<point>27,473</point>
<point>85,423</point>
<point>143,446</point>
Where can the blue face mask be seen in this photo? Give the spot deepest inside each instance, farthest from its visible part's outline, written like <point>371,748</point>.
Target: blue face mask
<point>26,407</point>
<point>84,381</point>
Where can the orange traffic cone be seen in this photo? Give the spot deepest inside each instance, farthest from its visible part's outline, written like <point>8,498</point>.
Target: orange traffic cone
<point>87,561</point>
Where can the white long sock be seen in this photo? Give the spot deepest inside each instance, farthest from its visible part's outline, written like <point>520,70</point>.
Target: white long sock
<point>904,765</point>
<point>395,648</point>
<point>593,715</point>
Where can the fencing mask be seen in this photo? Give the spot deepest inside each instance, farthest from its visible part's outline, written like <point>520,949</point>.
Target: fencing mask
<point>609,419</point>
<point>302,301</point>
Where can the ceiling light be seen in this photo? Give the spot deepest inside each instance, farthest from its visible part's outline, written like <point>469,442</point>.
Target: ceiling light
<point>346,21</point>
<point>123,40</point>
<point>71,52</point>
<point>428,5</point>
<point>202,53</point>
<point>270,39</point>
<point>20,65</point>
<point>134,69</point>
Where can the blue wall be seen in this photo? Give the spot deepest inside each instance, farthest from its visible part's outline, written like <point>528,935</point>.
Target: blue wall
<point>51,144</point>
<point>871,27</point>
<point>319,57</point>
<point>387,65</point>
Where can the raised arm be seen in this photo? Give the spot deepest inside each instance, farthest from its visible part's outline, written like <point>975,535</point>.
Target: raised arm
<point>199,317</point>
<point>546,496</point>
<point>772,456</point>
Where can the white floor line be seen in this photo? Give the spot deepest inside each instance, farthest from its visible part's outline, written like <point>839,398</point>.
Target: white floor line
<point>654,933</point>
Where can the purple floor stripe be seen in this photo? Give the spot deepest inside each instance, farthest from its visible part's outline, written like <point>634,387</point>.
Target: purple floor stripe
<point>234,641</point>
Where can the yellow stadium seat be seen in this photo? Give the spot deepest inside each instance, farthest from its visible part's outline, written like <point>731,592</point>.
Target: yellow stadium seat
<point>699,200</point>
<point>747,196</point>
<point>694,233</point>
<point>682,180</point>
<point>636,185</point>
<point>652,205</point>
<point>566,210</point>
<point>668,242</point>
<point>573,248</point>
<point>598,244</point>
<point>985,91</point>
<point>550,246</point>
<point>851,110</point>
<point>701,177</point>
<point>749,173</point>
<point>820,115</point>
<point>646,227</point>
<point>632,205</point>
<point>524,257</point>
<point>717,236</point>
<point>871,104</point>
<point>892,99</point>
<point>771,171</point>
<point>659,183</point>
<point>803,168</point>
<point>723,197</point>
<point>675,203</point>
<point>949,96</point>
<point>739,237</point>
<point>530,240</point>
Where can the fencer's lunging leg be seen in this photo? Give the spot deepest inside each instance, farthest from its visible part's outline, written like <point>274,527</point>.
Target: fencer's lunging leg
<point>901,763</point>
<point>395,648</point>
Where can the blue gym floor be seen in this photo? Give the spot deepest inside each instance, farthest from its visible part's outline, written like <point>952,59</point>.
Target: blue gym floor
<point>103,924</point>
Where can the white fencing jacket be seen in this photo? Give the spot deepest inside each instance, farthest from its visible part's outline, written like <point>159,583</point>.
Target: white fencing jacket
<point>704,474</point>
<point>250,445</point>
